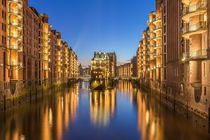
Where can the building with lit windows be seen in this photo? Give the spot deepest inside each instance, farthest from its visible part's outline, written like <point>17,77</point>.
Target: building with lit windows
<point>134,67</point>
<point>73,64</point>
<point>31,53</point>
<point>4,71</point>
<point>100,65</point>
<point>143,56</point>
<point>124,71</point>
<point>196,55</point>
<point>113,64</point>
<point>173,54</point>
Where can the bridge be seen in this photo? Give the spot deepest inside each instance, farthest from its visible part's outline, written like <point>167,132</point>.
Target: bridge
<point>126,78</point>
<point>87,78</point>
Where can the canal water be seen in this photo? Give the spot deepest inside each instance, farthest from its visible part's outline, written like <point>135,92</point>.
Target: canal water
<point>76,113</point>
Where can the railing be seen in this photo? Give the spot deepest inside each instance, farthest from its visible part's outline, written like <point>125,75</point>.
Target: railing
<point>15,12</point>
<point>13,47</point>
<point>195,27</point>
<point>18,37</point>
<point>158,36</point>
<point>199,54</point>
<point>157,19</point>
<point>194,8</point>
<point>157,54</point>
<point>19,24</point>
<point>158,45</point>
<point>16,1</point>
<point>158,28</point>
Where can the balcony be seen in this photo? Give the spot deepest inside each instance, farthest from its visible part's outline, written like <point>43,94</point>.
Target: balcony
<point>18,2</point>
<point>150,23</point>
<point>158,28</point>
<point>16,13</point>
<point>15,47</point>
<point>17,24</point>
<point>15,65</point>
<point>46,33</point>
<point>194,10</point>
<point>158,19</point>
<point>158,45</point>
<point>199,28</point>
<point>158,37</point>
<point>195,55</point>
<point>46,39</point>
<point>157,54</point>
<point>15,36</point>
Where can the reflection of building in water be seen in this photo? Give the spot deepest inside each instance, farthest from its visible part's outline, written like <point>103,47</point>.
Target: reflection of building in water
<point>125,87</point>
<point>66,110</point>
<point>149,123</point>
<point>85,85</point>
<point>102,107</point>
<point>45,121</point>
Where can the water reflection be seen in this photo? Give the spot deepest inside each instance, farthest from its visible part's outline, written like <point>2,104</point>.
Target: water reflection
<point>78,113</point>
<point>46,120</point>
<point>154,121</point>
<point>149,124</point>
<point>102,107</point>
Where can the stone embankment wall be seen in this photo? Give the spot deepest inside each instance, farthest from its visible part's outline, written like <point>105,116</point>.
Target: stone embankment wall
<point>177,105</point>
<point>28,92</point>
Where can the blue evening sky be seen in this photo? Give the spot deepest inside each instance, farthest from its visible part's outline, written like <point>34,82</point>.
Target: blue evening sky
<point>93,25</point>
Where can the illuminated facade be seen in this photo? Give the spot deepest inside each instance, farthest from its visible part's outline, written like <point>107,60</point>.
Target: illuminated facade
<point>100,66</point>
<point>144,57</point>
<point>196,54</point>
<point>124,71</point>
<point>31,53</point>
<point>134,67</point>
<point>45,47</point>
<point>53,57</point>
<point>155,48</point>
<point>73,64</point>
<point>15,39</point>
<point>113,64</point>
<point>173,54</point>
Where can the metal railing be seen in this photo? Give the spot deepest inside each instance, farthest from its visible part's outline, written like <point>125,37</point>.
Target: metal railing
<point>157,54</point>
<point>194,8</point>
<point>199,54</point>
<point>195,27</point>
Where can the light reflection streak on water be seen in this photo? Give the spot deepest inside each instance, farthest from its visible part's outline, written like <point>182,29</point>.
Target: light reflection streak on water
<point>53,116</point>
<point>102,107</point>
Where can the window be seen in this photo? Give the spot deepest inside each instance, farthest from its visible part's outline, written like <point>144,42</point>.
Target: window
<point>204,90</point>
<point>204,69</point>
<point>4,3</point>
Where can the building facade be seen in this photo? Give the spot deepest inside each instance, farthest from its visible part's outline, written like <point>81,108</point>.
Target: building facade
<point>125,71</point>
<point>31,53</point>
<point>100,66</point>
<point>173,55</point>
<point>113,64</point>
<point>134,67</point>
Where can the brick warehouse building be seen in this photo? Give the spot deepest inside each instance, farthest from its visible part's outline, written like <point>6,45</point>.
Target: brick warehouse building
<point>31,53</point>
<point>176,54</point>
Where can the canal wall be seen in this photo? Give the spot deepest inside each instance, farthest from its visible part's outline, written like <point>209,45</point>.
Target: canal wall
<point>26,93</point>
<point>176,104</point>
